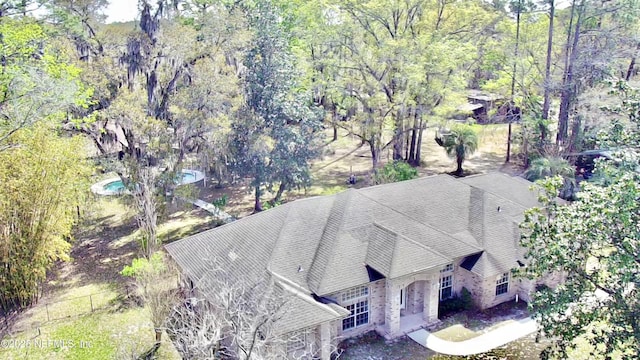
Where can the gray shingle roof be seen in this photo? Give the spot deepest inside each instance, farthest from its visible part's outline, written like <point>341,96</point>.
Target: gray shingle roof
<point>502,185</point>
<point>324,244</point>
<point>395,255</point>
<point>302,312</point>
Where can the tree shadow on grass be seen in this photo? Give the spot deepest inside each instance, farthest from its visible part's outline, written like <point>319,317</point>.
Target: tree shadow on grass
<point>94,259</point>
<point>180,233</point>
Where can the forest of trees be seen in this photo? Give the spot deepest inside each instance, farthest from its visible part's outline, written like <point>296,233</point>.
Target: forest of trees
<point>247,89</point>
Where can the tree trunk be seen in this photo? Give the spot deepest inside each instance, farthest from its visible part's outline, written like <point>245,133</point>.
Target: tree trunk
<point>568,92</point>
<point>158,335</point>
<point>525,145</point>
<point>258,205</point>
<point>576,130</point>
<point>515,51</point>
<point>513,78</point>
<point>375,154</point>
<point>143,192</point>
<point>459,161</point>
<point>419,143</point>
<point>509,143</point>
<point>632,65</point>
<point>398,140</point>
<point>407,141</point>
<point>411,158</point>
<point>281,189</point>
<point>334,122</point>
<point>547,75</point>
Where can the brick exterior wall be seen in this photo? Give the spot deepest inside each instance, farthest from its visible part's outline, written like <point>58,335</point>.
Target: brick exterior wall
<point>528,287</point>
<point>483,290</point>
<point>377,299</point>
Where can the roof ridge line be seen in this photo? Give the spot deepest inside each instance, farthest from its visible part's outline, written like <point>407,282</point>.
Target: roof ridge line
<point>403,237</point>
<point>428,248</point>
<point>314,261</point>
<point>413,219</point>
<point>275,243</point>
<point>514,178</point>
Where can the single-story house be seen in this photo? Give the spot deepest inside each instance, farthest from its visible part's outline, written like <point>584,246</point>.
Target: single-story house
<point>379,258</point>
<point>480,104</point>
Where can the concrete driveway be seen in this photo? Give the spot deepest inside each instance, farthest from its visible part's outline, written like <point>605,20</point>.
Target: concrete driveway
<point>480,344</point>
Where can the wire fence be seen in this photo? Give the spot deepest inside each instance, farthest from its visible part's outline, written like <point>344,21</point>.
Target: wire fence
<point>44,312</point>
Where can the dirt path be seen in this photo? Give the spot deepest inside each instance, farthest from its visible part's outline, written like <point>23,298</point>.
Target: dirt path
<point>101,248</point>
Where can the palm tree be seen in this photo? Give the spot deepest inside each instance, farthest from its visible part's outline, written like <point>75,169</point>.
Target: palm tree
<point>549,166</point>
<point>543,167</point>
<point>460,142</point>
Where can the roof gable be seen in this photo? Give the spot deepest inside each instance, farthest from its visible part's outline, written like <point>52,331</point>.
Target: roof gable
<point>394,255</point>
<point>325,244</point>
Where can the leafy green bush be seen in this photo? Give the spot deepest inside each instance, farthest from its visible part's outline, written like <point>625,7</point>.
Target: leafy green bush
<point>395,171</point>
<point>269,204</point>
<point>220,202</point>
<point>467,299</point>
<point>142,266</point>
<point>457,303</point>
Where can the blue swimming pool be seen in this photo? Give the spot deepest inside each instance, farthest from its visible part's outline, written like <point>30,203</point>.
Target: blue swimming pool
<point>115,186</point>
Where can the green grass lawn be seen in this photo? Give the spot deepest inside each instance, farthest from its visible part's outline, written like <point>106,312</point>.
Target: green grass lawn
<point>62,325</point>
<point>104,334</point>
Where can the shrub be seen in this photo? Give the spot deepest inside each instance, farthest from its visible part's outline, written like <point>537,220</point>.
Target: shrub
<point>457,303</point>
<point>394,172</point>
<point>220,202</point>
<point>467,299</point>
<point>270,205</point>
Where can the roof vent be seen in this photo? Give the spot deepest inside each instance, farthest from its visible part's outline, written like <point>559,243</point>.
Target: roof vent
<point>300,269</point>
<point>499,209</point>
<point>232,255</point>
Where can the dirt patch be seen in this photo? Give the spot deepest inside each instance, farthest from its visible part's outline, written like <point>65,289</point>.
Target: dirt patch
<point>372,346</point>
<point>479,321</point>
<point>106,241</point>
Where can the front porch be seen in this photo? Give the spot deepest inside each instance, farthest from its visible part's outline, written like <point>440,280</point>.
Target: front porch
<point>408,324</point>
<point>411,304</point>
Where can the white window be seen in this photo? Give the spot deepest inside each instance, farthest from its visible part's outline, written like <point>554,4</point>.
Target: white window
<point>446,287</point>
<point>502,284</point>
<point>355,293</point>
<point>403,298</point>
<point>356,300</point>
<point>447,268</point>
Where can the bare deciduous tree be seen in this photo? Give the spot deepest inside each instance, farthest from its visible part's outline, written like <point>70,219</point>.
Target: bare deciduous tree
<point>238,319</point>
<point>156,285</point>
